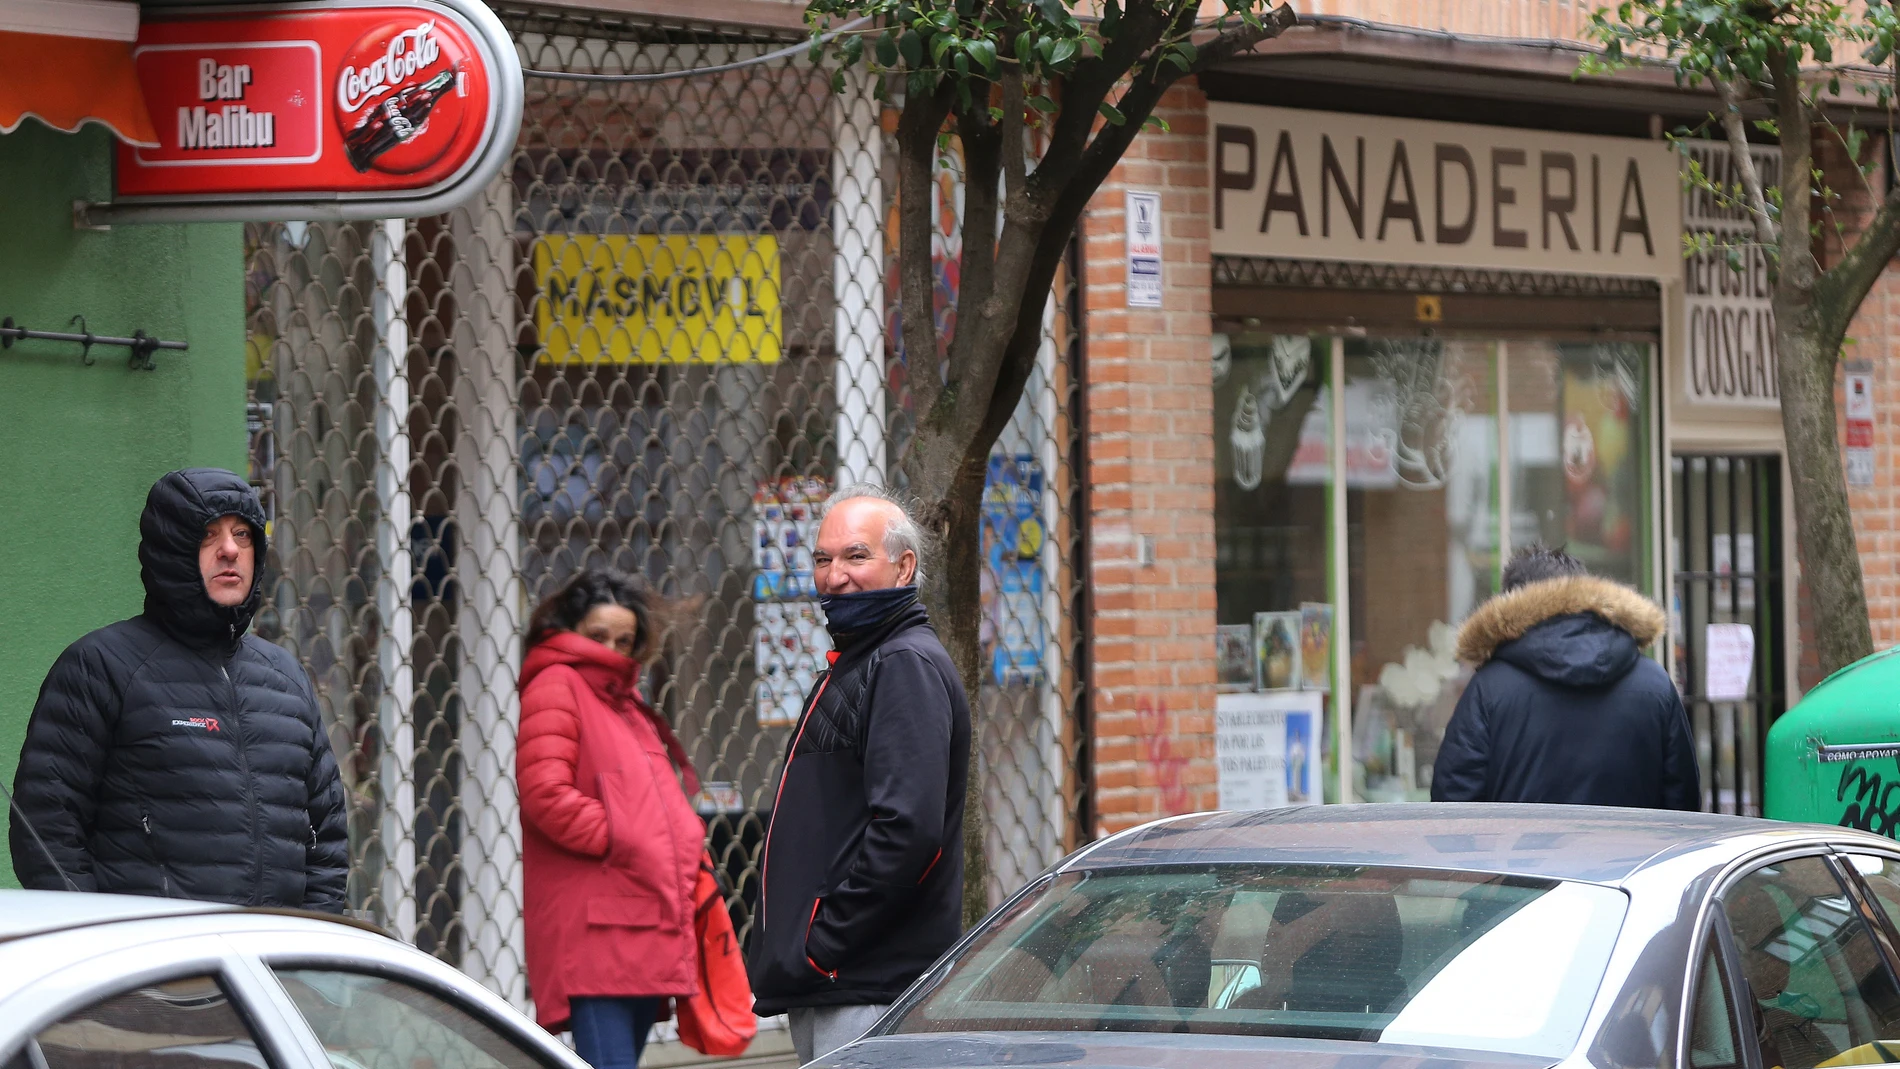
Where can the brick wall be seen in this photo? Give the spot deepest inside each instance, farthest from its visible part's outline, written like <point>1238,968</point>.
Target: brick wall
<point>1561,19</point>
<point>1151,472</point>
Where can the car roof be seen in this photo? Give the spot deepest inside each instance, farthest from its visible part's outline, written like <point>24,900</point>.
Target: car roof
<point>1590,843</point>
<point>30,913</point>
<point>24,913</point>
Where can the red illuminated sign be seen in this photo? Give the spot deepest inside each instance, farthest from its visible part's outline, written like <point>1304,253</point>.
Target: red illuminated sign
<point>346,110</point>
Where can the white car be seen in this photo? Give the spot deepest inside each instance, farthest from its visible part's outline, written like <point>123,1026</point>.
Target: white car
<point>113,981</point>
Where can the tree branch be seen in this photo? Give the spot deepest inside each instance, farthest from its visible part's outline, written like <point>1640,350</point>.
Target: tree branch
<point>1015,165</point>
<point>1737,130</point>
<point>1840,290</point>
<point>1795,242</point>
<point>976,279</point>
<point>1087,176</point>
<point>917,130</point>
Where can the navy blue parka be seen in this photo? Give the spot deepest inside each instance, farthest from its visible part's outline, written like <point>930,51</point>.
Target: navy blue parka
<point>1564,707</point>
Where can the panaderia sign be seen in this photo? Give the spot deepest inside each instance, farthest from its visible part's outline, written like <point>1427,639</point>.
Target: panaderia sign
<point>335,110</point>
<point>1327,186</point>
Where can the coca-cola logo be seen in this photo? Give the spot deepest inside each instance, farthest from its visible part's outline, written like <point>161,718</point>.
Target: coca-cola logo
<point>401,96</point>
<point>407,53</point>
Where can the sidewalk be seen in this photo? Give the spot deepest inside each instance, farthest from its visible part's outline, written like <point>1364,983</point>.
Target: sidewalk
<point>771,1050</point>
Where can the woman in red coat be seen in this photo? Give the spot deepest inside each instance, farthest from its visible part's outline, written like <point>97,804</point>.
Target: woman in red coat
<point>611,846</point>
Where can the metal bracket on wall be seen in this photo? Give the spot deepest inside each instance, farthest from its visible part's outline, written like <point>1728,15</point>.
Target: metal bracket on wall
<point>141,344</point>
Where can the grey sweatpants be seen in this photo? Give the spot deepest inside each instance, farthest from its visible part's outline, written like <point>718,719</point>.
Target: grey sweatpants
<point>819,1030</point>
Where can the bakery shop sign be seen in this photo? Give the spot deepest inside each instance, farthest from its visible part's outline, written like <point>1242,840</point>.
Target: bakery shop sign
<point>326,111</point>
<point>1327,186</point>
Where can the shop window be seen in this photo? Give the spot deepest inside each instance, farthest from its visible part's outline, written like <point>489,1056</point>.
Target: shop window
<point>1421,478</point>
<point>1452,451</point>
<point>1274,561</point>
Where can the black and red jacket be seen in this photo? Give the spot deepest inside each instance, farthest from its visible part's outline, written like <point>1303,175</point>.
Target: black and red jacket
<point>863,871</point>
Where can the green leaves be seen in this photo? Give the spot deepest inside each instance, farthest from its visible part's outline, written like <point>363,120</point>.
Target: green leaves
<point>1748,42</point>
<point>974,44</point>
<point>984,53</point>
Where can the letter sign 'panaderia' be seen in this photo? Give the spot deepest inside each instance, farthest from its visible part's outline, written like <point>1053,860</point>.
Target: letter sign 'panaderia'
<point>1319,185</point>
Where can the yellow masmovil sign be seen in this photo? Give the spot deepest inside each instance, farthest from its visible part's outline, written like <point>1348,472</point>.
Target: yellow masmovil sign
<point>647,299</point>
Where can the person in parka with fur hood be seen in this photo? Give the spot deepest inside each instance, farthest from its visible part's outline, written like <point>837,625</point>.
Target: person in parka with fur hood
<point>1564,707</point>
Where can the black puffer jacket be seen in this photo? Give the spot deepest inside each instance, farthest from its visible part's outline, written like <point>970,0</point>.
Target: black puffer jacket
<point>1565,707</point>
<point>174,755</point>
<point>863,873</point>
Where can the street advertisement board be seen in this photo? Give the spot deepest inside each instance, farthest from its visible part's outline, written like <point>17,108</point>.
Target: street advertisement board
<point>1264,745</point>
<point>1014,634</point>
<point>336,110</point>
<point>790,640</point>
<point>652,299</point>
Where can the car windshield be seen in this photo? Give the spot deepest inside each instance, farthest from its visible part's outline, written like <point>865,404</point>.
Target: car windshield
<point>1443,959</point>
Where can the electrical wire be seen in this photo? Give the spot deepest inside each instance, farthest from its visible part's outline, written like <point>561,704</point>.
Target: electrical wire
<point>692,72</point>
<point>1549,43</point>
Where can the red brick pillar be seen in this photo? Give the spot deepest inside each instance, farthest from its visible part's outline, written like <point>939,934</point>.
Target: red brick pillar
<point>1151,483</point>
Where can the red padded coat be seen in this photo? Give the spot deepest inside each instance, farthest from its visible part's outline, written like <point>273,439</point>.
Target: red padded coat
<point>611,846</point>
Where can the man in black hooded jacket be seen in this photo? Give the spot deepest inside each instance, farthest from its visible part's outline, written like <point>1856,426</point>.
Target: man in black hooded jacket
<point>1564,706</point>
<point>173,754</point>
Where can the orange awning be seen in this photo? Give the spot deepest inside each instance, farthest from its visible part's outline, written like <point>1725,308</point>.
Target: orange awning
<point>68,81</point>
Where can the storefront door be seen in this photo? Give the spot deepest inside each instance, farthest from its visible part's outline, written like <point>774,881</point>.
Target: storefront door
<point>1726,617</point>
<point>1455,449</point>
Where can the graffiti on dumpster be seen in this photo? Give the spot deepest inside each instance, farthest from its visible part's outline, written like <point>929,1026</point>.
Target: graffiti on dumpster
<point>1875,806</point>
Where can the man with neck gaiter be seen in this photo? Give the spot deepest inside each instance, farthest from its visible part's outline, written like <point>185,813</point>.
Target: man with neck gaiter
<point>861,887</point>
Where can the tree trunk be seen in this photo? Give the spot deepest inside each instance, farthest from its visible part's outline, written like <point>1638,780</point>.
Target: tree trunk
<point>1829,552</point>
<point>1812,313</point>
<point>953,592</point>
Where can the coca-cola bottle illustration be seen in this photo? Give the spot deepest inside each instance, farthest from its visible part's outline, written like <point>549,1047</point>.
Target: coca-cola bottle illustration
<point>394,121</point>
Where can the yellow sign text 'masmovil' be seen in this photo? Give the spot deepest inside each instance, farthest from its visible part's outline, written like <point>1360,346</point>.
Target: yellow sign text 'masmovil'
<point>645,299</point>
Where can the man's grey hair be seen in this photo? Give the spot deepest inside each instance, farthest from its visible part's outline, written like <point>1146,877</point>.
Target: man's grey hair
<point>902,533</point>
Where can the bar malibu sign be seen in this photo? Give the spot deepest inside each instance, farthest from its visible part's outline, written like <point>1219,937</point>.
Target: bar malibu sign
<point>338,110</point>
<point>1327,186</point>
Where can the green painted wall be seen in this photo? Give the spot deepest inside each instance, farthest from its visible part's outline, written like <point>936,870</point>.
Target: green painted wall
<point>80,446</point>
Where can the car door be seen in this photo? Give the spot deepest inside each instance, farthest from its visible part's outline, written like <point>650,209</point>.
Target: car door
<point>1808,969</point>
<point>1713,1022</point>
<point>179,1003</point>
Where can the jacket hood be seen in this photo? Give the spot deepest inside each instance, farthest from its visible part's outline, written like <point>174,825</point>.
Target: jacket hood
<point>1579,631</point>
<point>610,674</point>
<point>171,530</point>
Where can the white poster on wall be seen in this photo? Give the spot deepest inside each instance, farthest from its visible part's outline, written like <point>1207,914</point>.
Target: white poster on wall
<point>1144,249</point>
<point>1730,652</point>
<point>1265,745</point>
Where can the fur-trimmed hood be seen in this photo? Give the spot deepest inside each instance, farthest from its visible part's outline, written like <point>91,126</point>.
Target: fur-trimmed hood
<point>1507,618</point>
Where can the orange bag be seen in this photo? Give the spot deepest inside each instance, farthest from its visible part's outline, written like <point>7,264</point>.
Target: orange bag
<point>717,1021</point>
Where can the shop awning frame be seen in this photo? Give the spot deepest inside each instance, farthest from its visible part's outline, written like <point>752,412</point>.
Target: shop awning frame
<point>68,64</point>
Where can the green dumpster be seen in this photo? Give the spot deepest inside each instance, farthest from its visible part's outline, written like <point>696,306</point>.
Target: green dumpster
<point>1835,757</point>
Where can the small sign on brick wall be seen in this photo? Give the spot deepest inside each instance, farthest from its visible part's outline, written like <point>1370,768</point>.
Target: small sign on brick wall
<point>1860,428</point>
<point>1144,249</point>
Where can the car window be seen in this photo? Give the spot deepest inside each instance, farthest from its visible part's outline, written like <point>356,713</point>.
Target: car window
<point>1821,992</point>
<point>1712,1028</point>
<point>1882,876</point>
<point>178,1024</point>
<point>374,1022</point>
<point>1346,952</point>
